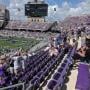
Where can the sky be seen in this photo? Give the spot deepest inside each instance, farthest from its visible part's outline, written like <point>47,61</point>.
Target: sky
<point>64,8</point>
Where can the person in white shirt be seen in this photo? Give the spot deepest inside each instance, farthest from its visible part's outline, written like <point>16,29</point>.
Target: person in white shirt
<point>53,51</point>
<point>24,58</point>
<point>16,63</point>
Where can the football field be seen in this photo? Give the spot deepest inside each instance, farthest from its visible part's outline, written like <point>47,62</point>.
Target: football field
<point>8,43</point>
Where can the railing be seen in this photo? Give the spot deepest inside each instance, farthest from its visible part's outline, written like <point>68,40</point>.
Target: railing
<point>17,86</point>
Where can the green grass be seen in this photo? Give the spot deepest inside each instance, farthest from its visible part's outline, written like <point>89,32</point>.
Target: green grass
<point>16,43</point>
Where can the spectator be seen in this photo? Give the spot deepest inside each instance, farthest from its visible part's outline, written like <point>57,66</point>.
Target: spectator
<point>24,57</point>
<point>53,51</point>
<point>11,66</point>
<point>16,63</point>
<point>2,79</point>
<point>3,61</point>
<point>83,54</point>
<point>4,74</point>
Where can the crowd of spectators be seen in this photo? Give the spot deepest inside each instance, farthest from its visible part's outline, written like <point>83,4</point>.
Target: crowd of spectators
<point>14,65</point>
<point>74,23</point>
<point>25,34</point>
<point>20,25</point>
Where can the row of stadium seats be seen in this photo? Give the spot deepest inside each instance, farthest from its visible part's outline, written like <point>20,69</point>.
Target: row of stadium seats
<point>31,63</point>
<point>40,77</point>
<point>73,23</point>
<point>37,69</point>
<point>33,68</point>
<point>58,78</point>
<point>25,34</point>
<point>42,70</point>
<point>44,73</point>
<point>28,25</point>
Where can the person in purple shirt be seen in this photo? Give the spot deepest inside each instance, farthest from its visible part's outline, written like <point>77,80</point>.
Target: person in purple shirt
<point>4,74</point>
<point>2,79</point>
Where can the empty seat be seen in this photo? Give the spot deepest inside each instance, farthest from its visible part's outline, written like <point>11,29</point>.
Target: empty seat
<point>65,61</point>
<point>34,80</point>
<point>35,83</point>
<point>56,76</point>
<point>60,70</point>
<point>46,72</point>
<point>63,65</point>
<point>52,84</point>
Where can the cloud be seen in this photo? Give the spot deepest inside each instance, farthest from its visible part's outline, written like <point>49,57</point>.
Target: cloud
<point>16,8</point>
<point>65,10</point>
<point>61,11</point>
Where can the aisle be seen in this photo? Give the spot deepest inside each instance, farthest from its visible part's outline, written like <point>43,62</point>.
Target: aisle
<point>74,72</point>
<point>72,80</point>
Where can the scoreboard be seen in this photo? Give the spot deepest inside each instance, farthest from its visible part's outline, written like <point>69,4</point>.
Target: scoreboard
<point>36,10</point>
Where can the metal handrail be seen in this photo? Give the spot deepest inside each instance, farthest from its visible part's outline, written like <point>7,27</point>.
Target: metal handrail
<point>13,86</point>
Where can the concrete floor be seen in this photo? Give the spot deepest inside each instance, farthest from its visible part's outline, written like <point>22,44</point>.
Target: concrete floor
<point>72,80</point>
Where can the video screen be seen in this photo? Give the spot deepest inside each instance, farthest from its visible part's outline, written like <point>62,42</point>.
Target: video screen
<point>36,10</point>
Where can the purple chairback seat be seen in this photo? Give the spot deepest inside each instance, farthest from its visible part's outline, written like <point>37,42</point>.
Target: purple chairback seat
<point>51,85</point>
<point>56,76</point>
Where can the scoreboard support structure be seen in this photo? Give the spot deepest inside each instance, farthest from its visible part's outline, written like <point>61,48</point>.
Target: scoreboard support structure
<point>36,19</point>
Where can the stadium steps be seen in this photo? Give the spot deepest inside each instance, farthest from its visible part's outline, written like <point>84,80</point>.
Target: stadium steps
<point>70,85</point>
